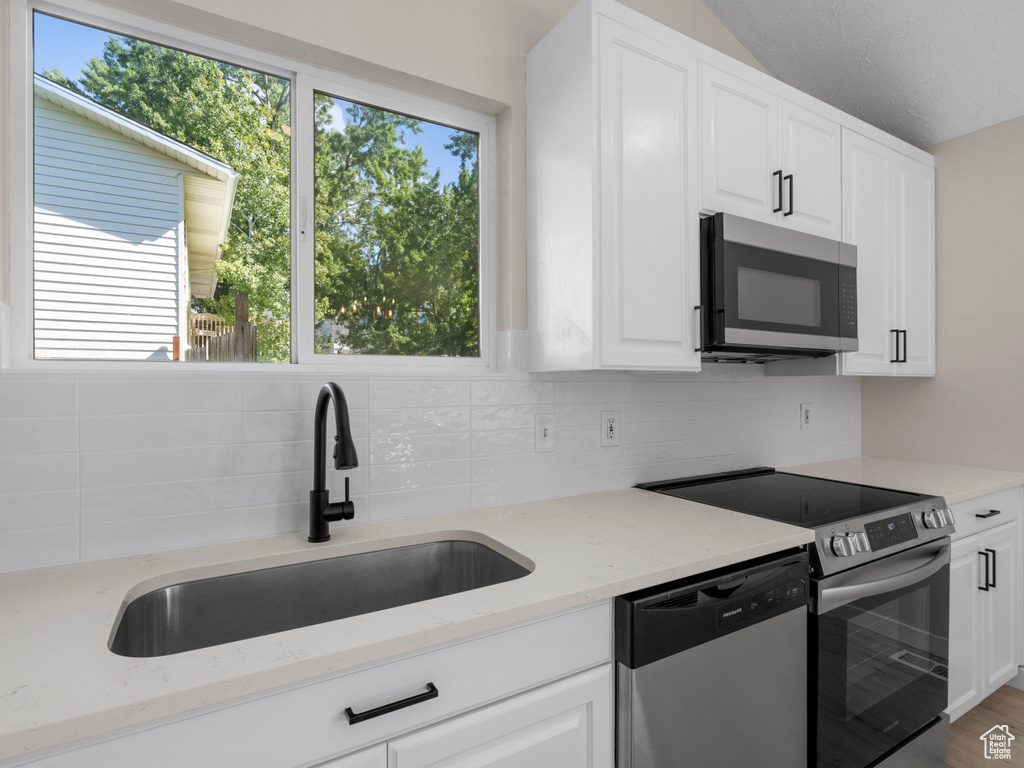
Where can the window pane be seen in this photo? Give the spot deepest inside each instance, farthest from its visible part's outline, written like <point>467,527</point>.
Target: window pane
<point>397,234</point>
<point>162,199</point>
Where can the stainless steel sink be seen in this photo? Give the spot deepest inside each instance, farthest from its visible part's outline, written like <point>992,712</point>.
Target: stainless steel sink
<point>223,609</point>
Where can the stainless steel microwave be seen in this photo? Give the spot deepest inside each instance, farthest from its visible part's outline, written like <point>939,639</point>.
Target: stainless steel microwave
<point>769,293</point>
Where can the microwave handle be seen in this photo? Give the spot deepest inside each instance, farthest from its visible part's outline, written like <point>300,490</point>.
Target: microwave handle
<point>699,326</point>
<point>831,598</point>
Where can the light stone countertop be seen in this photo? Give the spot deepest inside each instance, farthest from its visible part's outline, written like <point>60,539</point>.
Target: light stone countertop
<point>59,682</point>
<point>953,483</point>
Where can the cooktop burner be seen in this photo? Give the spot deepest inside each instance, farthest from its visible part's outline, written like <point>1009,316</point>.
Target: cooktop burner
<point>809,502</point>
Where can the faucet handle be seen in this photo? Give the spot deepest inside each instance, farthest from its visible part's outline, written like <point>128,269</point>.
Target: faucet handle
<point>341,510</point>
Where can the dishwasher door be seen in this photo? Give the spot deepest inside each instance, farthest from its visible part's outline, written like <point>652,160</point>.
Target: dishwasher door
<point>713,674</point>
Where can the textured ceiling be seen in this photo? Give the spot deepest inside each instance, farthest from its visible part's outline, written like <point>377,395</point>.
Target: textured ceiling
<point>923,70</point>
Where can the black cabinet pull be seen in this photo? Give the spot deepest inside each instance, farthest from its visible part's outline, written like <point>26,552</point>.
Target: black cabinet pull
<point>904,358</point>
<point>394,706</point>
<point>896,359</point>
<point>990,513</point>
<point>986,586</point>
<point>789,178</point>
<point>779,174</point>
<point>995,566</point>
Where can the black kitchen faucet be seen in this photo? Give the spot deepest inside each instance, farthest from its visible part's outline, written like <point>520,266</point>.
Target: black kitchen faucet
<point>321,510</point>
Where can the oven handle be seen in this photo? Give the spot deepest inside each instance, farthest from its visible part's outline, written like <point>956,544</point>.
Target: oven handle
<point>831,598</point>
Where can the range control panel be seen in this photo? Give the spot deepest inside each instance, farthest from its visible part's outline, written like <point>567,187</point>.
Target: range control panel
<point>890,531</point>
<point>846,544</point>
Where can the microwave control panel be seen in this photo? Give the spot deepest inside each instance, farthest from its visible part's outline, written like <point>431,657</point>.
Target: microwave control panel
<point>847,302</point>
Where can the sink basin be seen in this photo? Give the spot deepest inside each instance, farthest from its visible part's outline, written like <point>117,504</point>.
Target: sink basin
<point>223,609</point>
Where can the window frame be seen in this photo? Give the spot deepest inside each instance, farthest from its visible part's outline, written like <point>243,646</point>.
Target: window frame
<point>305,78</point>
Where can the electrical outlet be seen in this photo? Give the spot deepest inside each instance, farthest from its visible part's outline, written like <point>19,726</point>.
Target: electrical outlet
<point>544,434</point>
<point>609,428</point>
<point>806,416</point>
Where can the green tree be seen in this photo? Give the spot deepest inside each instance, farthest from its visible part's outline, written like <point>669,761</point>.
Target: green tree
<point>396,252</point>
<point>239,117</point>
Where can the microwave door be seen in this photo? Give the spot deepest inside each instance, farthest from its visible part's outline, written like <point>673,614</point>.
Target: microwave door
<point>779,299</point>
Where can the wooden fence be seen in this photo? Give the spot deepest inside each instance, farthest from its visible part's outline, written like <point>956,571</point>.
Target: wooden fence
<point>214,341</point>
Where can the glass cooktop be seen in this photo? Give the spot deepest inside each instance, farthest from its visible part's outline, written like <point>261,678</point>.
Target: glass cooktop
<point>805,501</point>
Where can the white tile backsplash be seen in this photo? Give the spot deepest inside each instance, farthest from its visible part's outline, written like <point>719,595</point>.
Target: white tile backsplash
<point>95,466</point>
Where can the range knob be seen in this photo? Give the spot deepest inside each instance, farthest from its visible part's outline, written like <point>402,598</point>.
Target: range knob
<point>937,518</point>
<point>847,545</point>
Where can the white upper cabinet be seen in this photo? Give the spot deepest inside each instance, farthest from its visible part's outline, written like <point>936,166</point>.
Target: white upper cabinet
<point>739,147</point>
<point>634,130</point>
<point>612,221</point>
<point>767,158</point>
<point>915,266</point>
<point>889,214</point>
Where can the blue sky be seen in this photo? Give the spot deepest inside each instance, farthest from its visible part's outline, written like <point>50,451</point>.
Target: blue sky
<point>68,46</point>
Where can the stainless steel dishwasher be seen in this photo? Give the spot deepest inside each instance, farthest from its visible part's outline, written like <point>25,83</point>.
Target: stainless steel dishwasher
<point>712,670</point>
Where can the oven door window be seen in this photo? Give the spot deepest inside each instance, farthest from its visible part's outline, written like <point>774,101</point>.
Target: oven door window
<point>881,671</point>
<point>779,292</point>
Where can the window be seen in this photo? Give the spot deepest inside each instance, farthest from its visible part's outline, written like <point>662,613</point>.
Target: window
<point>192,201</point>
<point>397,247</point>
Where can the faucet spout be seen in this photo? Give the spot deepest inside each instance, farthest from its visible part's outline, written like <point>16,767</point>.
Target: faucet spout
<point>321,510</point>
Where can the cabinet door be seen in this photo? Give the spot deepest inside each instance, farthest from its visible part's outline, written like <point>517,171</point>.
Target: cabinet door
<point>566,724</point>
<point>811,162</point>
<point>739,147</point>
<point>965,626</point>
<point>649,262</point>
<point>1002,606</point>
<point>914,265</point>
<point>867,223</point>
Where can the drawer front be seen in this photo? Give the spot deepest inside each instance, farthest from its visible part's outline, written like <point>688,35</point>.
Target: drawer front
<point>1006,504</point>
<point>304,725</point>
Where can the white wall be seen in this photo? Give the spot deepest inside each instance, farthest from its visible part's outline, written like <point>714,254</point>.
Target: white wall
<point>96,465</point>
<point>972,412</point>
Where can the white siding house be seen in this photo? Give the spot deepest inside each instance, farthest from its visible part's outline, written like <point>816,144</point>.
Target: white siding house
<point>128,225</point>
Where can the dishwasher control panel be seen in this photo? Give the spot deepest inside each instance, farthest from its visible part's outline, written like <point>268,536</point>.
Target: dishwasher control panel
<point>793,593</point>
<point>657,622</point>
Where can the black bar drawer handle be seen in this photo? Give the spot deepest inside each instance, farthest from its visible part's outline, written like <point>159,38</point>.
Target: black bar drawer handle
<point>778,174</point>
<point>904,358</point>
<point>789,178</point>
<point>987,563</point>
<point>896,359</point>
<point>990,513</point>
<point>394,706</point>
<point>995,566</point>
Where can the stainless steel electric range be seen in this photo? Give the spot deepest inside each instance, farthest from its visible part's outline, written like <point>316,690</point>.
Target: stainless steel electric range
<point>878,644</point>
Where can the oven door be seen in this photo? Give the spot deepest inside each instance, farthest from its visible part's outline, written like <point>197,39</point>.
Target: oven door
<point>879,650</point>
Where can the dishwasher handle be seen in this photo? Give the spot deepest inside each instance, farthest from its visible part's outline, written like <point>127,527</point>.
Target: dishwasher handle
<point>830,598</point>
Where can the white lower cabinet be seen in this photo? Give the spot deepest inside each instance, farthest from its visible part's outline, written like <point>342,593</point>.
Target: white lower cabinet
<point>566,724</point>
<point>562,725</point>
<point>985,595</point>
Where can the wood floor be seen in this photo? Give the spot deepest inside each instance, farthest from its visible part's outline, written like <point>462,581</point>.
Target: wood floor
<point>1004,707</point>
